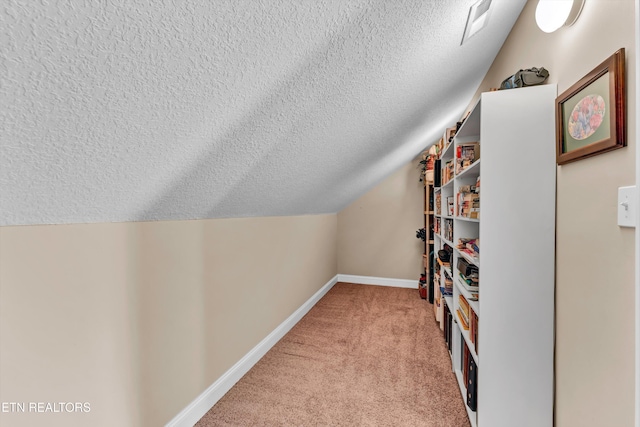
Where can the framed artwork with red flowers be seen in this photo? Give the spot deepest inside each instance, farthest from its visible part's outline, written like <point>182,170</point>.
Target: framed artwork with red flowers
<point>591,114</point>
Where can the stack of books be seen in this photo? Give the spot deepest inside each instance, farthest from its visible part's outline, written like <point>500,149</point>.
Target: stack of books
<point>464,312</point>
<point>470,247</point>
<point>468,278</point>
<point>447,171</point>
<point>466,154</point>
<point>447,289</point>
<point>474,291</point>
<point>468,201</point>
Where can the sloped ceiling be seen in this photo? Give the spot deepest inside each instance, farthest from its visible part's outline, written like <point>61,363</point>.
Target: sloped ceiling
<point>148,110</point>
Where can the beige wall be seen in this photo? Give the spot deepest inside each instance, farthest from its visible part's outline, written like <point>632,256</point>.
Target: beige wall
<point>595,258</point>
<point>377,232</point>
<point>139,318</point>
<point>65,323</point>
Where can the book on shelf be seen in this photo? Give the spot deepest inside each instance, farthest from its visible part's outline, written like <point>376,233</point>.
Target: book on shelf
<point>464,307</point>
<point>472,290</point>
<point>450,206</point>
<point>473,330</point>
<point>447,289</point>
<point>467,153</point>
<point>448,328</point>
<point>472,385</point>
<point>469,371</point>
<point>470,246</point>
<point>468,202</point>
<point>467,189</point>
<point>448,229</point>
<point>465,355</point>
<point>447,171</point>
<point>464,323</point>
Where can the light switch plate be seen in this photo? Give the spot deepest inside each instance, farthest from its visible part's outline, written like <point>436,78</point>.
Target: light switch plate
<point>627,206</point>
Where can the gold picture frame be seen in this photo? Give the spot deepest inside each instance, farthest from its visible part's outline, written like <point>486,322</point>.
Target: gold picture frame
<point>591,114</point>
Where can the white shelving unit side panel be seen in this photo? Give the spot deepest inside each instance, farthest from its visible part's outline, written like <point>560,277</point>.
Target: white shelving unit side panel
<point>517,235</point>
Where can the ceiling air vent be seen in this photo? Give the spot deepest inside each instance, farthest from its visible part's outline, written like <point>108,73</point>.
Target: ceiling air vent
<point>478,19</point>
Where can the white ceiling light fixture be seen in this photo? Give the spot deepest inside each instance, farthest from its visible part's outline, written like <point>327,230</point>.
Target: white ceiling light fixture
<point>553,14</point>
<point>477,19</point>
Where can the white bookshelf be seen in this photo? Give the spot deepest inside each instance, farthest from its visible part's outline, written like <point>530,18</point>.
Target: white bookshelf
<point>516,132</point>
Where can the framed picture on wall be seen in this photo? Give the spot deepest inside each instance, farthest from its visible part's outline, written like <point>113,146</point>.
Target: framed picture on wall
<point>591,114</point>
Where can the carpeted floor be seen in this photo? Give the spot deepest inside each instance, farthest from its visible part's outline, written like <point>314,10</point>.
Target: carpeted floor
<point>363,356</point>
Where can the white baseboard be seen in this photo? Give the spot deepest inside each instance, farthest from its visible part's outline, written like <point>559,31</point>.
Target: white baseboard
<point>379,281</point>
<point>201,405</point>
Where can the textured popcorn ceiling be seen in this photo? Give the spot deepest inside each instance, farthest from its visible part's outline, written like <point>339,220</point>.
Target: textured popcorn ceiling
<point>147,110</point>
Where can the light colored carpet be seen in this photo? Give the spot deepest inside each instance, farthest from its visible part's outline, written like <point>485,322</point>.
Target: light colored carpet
<point>363,356</point>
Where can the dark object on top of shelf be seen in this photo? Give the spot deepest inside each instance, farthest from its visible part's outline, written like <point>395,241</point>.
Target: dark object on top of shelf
<point>421,234</point>
<point>437,173</point>
<point>444,255</point>
<point>529,77</point>
<point>461,122</point>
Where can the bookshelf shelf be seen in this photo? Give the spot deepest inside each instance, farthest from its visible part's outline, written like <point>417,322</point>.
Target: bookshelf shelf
<point>475,305</point>
<point>449,300</point>
<point>469,258</point>
<point>462,218</point>
<point>447,153</point>
<point>470,346</point>
<point>463,390</point>
<point>448,242</point>
<point>517,319</point>
<point>471,171</point>
<point>448,271</point>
